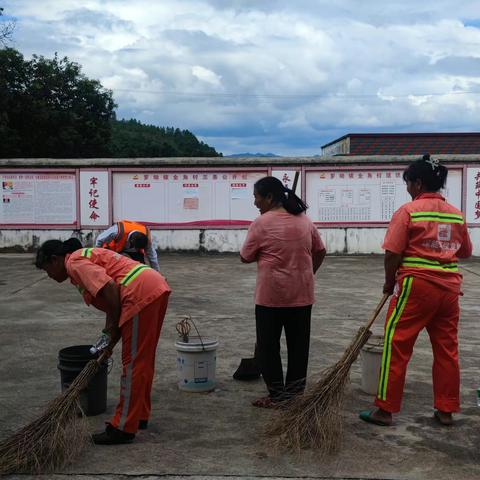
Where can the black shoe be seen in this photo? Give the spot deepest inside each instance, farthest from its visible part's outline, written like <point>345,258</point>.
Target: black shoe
<point>142,424</point>
<point>112,436</point>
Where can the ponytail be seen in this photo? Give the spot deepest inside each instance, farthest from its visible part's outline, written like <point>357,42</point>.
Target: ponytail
<point>56,248</point>
<point>280,194</point>
<point>293,203</point>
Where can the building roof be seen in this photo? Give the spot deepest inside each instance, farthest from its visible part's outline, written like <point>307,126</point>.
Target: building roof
<point>411,143</point>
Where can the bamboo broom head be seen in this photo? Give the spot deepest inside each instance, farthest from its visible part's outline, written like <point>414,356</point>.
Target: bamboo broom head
<point>314,419</point>
<point>54,438</point>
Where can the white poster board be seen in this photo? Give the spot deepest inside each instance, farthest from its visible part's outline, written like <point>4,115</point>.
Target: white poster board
<point>94,198</point>
<point>287,178</point>
<point>185,198</point>
<point>364,196</point>
<point>473,196</point>
<point>38,199</point>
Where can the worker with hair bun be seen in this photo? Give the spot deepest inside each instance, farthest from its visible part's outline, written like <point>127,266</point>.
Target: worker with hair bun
<point>424,240</point>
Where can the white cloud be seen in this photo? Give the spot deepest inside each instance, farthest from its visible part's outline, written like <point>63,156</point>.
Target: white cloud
<point>273,75</point>
<point>206,75</point>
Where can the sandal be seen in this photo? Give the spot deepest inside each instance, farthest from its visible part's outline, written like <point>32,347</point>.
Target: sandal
<point>265,402</point>
<point>366,416</point>
<point>443,418</point>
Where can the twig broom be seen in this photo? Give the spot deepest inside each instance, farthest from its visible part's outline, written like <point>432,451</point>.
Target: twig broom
<point>56,437</point>
<point>314,419</point>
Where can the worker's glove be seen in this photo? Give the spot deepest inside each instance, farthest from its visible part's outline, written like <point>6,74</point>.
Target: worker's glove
<point>102,342</point>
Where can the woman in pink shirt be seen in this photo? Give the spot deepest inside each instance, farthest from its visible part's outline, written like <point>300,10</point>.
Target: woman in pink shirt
<point>134,298</point>
<point>288,250</point>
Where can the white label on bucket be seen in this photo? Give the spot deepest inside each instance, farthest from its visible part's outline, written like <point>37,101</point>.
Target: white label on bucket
<point>201,372</point>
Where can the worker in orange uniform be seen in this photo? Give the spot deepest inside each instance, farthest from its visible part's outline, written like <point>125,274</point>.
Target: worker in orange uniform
<point>131,238</point>
<point>134,298</point>
<point>424,240</point>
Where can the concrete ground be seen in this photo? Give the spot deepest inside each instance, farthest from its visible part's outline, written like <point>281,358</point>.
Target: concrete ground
<point>219,434</point>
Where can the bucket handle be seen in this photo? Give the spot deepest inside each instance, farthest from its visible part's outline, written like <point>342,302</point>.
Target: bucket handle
<point>183,328</point>
<point>198,333</point>
<point>109,365</point>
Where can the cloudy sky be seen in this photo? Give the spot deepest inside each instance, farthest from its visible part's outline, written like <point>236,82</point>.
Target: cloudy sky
<point>282,76</point>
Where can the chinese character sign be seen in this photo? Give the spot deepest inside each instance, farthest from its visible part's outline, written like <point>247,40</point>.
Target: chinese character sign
<point>473,195</point>
<point>38,199</point>
<point>287,178</point>
<point>186,197</point>
<point>94,198</point>
<point>368,196</point>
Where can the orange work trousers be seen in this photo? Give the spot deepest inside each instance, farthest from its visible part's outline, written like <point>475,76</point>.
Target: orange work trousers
<point>140,337</point>
<point>418,304</point>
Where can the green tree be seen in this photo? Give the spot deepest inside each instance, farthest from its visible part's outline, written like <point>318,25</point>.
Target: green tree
<point>48,108</point>
<point>6,29</point>
<point>131,138</point>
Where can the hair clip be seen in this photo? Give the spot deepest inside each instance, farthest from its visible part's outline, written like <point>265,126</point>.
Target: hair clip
<point>434,162</point>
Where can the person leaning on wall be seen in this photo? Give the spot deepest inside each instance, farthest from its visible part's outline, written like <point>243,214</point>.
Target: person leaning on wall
<point>288,250</point>
<point>130,238</point>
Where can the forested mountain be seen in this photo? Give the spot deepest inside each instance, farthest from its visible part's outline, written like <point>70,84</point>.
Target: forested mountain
<point>50,109</point>
<point>131,138</point>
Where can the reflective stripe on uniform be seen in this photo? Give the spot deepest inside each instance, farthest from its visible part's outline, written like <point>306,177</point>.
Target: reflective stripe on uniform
<point>133,274</point>
<point>436,217</point>
<point>389,331</point>
<point>127,390</point>
<point>418,262</point>
<point>87,252</point>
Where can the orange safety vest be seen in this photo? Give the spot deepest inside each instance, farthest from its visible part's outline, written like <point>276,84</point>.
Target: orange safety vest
<point>125,227</point>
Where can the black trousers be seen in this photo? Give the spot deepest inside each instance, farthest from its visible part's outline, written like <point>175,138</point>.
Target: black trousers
<point>270,322</point>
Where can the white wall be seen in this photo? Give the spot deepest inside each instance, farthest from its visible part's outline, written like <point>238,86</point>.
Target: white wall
<point>337,240</point>
<point>475,236</point>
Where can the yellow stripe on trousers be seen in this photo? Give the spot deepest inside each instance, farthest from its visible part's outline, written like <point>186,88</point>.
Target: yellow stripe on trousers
<point>389,331</point>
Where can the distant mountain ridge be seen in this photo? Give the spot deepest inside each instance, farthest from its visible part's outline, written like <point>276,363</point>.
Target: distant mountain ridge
<point>253,155</point>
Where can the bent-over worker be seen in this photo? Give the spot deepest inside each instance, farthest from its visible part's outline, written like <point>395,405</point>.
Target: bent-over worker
<point>134,298</point>
<point>131,238</point>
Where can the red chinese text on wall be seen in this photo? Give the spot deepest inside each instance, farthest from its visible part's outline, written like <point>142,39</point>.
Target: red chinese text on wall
<point>93,202</point>
<point>477,196</point>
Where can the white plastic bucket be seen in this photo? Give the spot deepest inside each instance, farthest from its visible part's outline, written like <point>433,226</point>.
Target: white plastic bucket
<point>196,362</point>
<point>371,356</point>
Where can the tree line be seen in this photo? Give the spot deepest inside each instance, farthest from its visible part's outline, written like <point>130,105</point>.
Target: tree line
<point>130,138</point>
<point>50,109</point>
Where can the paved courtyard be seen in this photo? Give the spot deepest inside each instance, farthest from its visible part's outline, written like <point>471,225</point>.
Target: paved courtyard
<point>219,434</point>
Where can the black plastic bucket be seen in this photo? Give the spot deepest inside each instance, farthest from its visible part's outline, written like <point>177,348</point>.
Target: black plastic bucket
<point>71,361</point>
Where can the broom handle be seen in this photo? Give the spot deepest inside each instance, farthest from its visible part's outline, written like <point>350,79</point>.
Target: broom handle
<point>377,311</point>
<point>295,181</point>
<point>104,355</point>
